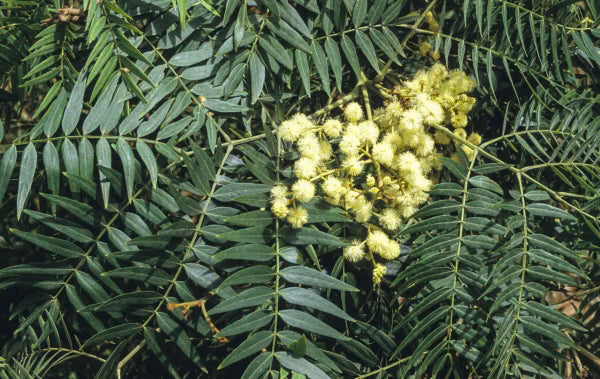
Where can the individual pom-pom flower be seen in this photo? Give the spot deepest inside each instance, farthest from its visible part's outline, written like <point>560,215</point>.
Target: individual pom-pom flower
<point>325,150</point>
<point>308,145</point>
<point>279,192</point>
<point>383,153</point>
<point>427,163</point>
<point>356,202</point>
<point>377,241</point>
<point>475,139</point>
<point>394,139</point>
<point>378,273</point>
<point>394,109</point>
<point>305,168</point>
<point>419,197</point>
<point>460,132</point>
<point>441,137</point>
<point>438,72</point>
<point>350,144</point>
<point>363,212</point>
<point>459,120</point>
<point>354,253</point>
<point>420,99</point>
<point>297,217</point>
<point>419,182</point>
<point>353,112</point>
<point>353,165</point>
<point>303,190</point>
<point>411,138</point>
<point>302,121</point>
<point>407,211</point>
<point>390,219</point>
<point>290,130</point>
<point>370,180</point>
<point>391,250</point>
<point>411,120</point>
<point>351,197</point>
<point>408,163</point>
<point>432,112</point>
<point>463,82</point>
<point>279,208</point>
<point>333,128</point>
<point>369,132</point>
<point>403,199</point>
<point>332,187</point>
<point>426,145</point>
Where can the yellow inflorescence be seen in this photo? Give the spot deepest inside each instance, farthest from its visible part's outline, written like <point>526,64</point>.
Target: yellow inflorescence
<point>380,170</point>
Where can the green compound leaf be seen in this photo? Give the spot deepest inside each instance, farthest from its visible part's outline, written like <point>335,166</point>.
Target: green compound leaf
<point>547,210</point>
<point>276,50</point>
<point>300,365</point>
<point>61,247</point>
<point>308,298</point>
<point>303,69</point>
<point>314,278</point>
<point>135,300</point>
<point>232,191</point>
<point>257,77</point>
<point>26,174</point>
<point>52,167</point>
<point>251,345</point>
<point>248,275</point>
<point>309,236</point>
<point>550,314</point>
<point>320,61</point>
<point>366,46</point>
<point>258,366</point>
<point>74,105</point>
<point>305,321</point>
<point>252,321</point>
<point>252,218</point>
<point>127,160</point>
<point>248,298</point>
<point>486,183</point>
<point>251,252</point>
<point>182,340</point>
<point>257,234</point>
<point>148,275</point>
<point>335,60</point>
<point>110,334</point>
<point>7,166</point>
<point>350,53</point>
<point>459,170</point>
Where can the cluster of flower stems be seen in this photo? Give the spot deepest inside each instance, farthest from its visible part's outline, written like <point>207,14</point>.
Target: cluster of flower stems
<point>382,169</point>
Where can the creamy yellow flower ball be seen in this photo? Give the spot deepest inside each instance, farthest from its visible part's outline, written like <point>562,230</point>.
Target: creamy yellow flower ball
<point>303,190</point>
<point>353,112</point>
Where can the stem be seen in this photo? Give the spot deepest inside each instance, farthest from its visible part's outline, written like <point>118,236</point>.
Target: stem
<point>277,263</point>
<point>384,368</point>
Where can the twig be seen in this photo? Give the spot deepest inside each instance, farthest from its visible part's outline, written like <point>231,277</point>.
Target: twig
<point>384,368</point>
<point>128,357</point>
<point>201,304</point>
<point>365,95</point>
<point>589,356</point>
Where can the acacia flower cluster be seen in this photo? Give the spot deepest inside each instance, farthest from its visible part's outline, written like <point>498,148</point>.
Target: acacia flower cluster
<point>379,170</point>
<point>448,89</point>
